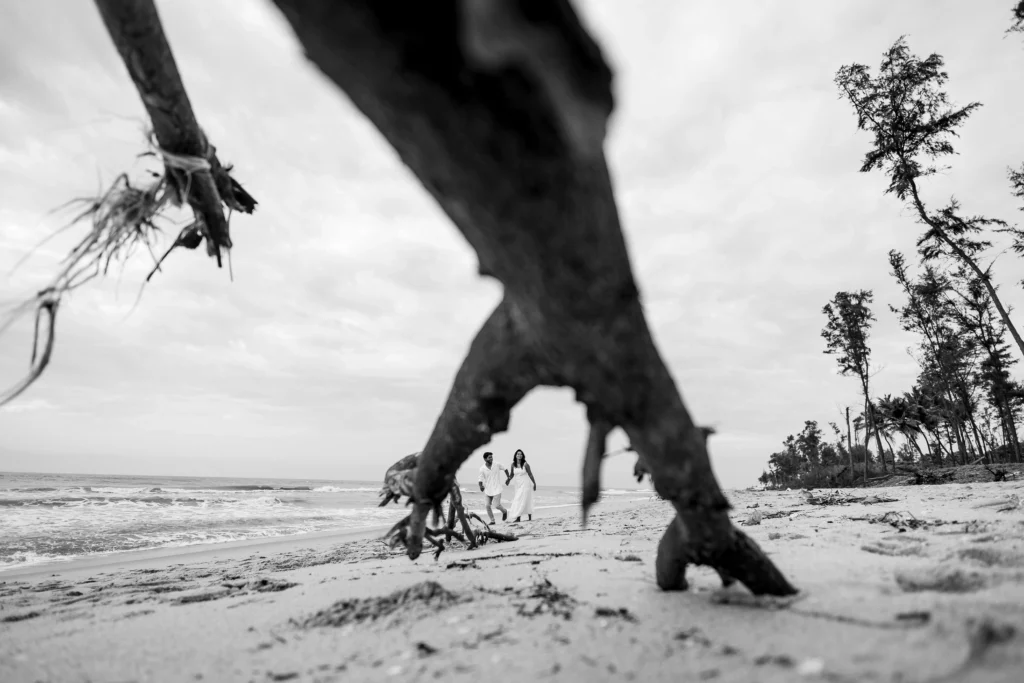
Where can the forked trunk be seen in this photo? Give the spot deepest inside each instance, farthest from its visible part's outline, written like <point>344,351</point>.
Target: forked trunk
<point>500,109</point>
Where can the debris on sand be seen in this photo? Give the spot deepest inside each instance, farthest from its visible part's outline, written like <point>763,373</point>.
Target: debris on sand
<point>1001,504</point>
<point>915,617</point>
<point>1000,474</point>
<point>753,519</point>
<point>930,478</point>
<point>620,613</point>
<point>19,617</point>
<point>893,549</point>
<point>544,598</point>
<point>629,557</point>
<point>693,636</point>
<point>841,498</point>
<point>357,610</point>
<point>901,520</point>
<point>260,585</point>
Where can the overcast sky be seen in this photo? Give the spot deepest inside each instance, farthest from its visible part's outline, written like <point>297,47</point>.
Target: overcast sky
<point>354,298</point>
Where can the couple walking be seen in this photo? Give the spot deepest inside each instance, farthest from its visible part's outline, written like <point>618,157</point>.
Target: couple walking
<point>494,478</point>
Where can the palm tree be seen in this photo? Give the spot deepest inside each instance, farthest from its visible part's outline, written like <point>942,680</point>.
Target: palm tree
<point>897,415</point>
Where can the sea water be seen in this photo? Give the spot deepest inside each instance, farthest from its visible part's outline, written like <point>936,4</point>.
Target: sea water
<point>50,517</point>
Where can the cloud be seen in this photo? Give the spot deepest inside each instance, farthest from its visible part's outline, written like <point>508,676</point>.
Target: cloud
<point>354,299</point>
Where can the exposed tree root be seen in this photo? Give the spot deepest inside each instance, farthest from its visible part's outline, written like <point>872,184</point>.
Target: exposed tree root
<point>500,109</point>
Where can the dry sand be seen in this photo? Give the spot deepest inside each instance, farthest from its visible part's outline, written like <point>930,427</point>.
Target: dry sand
<point>929,587</point>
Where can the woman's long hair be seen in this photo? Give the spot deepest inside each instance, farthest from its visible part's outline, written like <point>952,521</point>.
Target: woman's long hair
<point>515,459</point>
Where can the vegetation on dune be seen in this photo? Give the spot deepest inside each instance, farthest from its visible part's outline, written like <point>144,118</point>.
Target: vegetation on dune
<point>965,406</point>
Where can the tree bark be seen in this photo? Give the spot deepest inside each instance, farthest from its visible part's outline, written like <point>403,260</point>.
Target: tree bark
<point>1011,427</point>
<point>849,443</point>
<point>501,114</point>
<point>917,446</point>
<point>869,411</point>
<point>981,452</point>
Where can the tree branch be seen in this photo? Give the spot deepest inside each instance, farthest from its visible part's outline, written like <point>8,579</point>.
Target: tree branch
<point>135,28</point>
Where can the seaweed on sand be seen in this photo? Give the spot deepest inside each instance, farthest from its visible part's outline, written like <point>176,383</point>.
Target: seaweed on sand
<point>357,610</point>
<point>544,598</point>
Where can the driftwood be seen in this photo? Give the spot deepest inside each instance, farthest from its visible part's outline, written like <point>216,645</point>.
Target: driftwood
<point>398,482</point>
<point>500,109</point>
<point>841,498</point>
<point>924,477</point>
<point>998,474</point>
<point>490,533</point>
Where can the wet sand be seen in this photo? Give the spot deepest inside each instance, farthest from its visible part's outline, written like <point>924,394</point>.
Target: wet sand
<point>928,586</point>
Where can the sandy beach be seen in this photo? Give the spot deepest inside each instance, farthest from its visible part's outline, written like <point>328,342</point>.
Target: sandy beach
<point>927,586</point>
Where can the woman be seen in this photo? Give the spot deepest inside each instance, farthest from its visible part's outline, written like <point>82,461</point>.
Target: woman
<point>522,503</point>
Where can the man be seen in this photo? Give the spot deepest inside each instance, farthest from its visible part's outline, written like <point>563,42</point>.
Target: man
<point>492,482</point>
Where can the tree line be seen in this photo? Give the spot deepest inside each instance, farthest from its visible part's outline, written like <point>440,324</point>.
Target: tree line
<point>965,406</point>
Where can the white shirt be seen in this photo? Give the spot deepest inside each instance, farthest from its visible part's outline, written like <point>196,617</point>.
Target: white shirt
<point>493,479</point>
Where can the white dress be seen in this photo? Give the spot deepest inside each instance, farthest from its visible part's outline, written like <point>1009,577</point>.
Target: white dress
<point>522,503</point>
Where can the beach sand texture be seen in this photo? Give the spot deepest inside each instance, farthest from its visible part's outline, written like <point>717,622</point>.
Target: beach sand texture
<point>927,587</point>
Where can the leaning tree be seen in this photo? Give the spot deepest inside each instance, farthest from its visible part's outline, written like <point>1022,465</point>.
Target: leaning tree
<point>500,108</point>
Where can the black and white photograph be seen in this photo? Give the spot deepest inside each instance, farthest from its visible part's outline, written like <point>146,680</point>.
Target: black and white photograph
<point>511,340</point>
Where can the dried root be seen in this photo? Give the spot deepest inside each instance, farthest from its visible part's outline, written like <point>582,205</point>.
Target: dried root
<point>121,220</point>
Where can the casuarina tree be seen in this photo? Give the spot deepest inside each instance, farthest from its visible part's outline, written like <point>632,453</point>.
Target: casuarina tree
<point>1018,18</point>
<point>913,122</point>
<point>846,337</point>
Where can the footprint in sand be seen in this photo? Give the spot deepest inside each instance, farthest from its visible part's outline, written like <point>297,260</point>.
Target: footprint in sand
<point>993,557</point>
<point>894,549</point>
<point>942,579</point>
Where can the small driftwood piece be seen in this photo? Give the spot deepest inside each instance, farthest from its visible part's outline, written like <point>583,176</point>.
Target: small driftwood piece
<point>924,477</point>
<point>490,533</point>
<point>998,474</point>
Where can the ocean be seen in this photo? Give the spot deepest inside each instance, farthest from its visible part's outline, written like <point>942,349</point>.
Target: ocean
<point>52,517</point>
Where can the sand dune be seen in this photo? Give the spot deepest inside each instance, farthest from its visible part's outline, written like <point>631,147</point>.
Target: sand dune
<point>917,583</point>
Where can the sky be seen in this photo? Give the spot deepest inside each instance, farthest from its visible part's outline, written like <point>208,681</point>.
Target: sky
<point>354,298</point>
